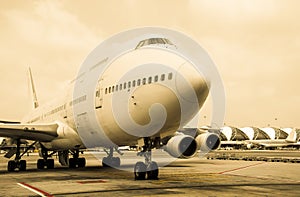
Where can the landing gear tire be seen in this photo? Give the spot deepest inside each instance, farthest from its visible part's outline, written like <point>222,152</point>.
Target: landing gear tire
<point>152,171</point>
<point>72,163</point>
<point>140,171</point>
<point>40,164</point>
<point>50,163</point>
<point>11,166</point>
<point>104,162</point>
<point>22,165</point>
<point>81,162</point>
<point>114,162</point>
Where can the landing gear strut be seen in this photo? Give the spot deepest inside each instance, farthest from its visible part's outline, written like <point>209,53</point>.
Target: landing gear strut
<point>149,168</point>
<point>17,162</point>
<point>45,162</point>
<point>76,161</point>
<point>110,160</point>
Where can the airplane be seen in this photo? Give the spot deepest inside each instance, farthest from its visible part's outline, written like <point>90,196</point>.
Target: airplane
<point>291,141</point>
<point>55,126</point>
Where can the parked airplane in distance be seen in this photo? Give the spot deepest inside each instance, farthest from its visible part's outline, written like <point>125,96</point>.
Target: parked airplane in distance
<point>54,126</point>
<point>262,138</point>
<point>291,141</point>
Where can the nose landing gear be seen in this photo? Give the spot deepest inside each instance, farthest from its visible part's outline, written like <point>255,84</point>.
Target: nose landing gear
<point>149,168</point>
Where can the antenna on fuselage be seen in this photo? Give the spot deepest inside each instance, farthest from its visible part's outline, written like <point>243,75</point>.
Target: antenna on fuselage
<point>34,97</point>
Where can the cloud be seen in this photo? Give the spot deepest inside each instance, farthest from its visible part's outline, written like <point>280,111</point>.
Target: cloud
<point>50,24</point>
<point>46,37</point>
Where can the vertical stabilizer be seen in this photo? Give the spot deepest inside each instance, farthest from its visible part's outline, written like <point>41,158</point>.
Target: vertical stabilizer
<point>34,97</point>
<point>292,138</point>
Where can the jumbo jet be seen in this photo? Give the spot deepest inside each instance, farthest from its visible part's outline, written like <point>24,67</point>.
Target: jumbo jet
<point>292,140</point>
<point>150,94</point>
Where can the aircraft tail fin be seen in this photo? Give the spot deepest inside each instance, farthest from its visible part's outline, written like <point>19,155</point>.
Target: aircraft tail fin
<point>34,97</point>
<point>292,137</point>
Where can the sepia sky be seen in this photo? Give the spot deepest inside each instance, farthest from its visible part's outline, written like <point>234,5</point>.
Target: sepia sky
<point>255,45</point>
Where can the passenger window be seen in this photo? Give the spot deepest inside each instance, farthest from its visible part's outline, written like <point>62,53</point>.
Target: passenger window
<point>150,80</point>
<point>156,78</point>
<point>120,86</point>
<point>129,84</point>
<point>124,85</point>
<point>162,78</point>
<point>144,81</point>
<point>117,87</point>
<point>133,83</point>
<point>109,89</point>
<point>138,82</point>
<point>105,90</point>
<point>170,75</point>
<point>113,89</point>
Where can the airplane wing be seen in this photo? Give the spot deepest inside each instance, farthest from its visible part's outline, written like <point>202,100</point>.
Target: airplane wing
<point>9,122</point>
<point>35,132</point>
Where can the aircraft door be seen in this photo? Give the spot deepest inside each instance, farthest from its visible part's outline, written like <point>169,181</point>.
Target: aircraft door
<point>99,95</point>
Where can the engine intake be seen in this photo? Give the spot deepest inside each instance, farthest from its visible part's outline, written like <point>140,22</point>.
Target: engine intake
<point>208,141</point>
<point>181,146</point>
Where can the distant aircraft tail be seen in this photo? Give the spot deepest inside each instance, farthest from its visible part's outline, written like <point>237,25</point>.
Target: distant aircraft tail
<point>34,97</point>
<point>292,137</point>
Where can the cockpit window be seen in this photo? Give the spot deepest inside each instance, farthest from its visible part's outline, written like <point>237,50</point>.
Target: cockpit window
<point>152,41</point>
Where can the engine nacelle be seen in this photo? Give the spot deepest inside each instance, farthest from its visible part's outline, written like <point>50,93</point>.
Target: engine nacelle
<point>181,146</point>
<point>208,141</point>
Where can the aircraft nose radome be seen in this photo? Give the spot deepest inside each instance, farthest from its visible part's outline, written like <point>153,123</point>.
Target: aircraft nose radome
<point>201,88</point>
<point>193,88</point>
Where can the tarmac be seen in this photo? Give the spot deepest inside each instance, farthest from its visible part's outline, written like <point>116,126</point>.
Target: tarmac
<point>188,177</point>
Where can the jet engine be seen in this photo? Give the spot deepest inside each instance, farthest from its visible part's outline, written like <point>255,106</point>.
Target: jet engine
<point>181,146</point>
<point>208,141</point>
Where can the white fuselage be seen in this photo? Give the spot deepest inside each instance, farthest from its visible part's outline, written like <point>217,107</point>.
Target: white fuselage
<point>151,100</point>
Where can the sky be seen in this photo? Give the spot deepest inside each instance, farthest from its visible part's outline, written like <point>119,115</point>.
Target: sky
<point>255,45</point>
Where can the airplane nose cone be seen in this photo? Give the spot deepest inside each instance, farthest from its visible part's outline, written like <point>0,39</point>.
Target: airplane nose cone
<point>191,86</point>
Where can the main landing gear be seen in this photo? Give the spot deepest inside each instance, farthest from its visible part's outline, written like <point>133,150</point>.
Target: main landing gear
<point>110,160</point>
<point>148,169</point>
<point>17,162</point>
<point>46,161</point>
<point>76,161</point>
